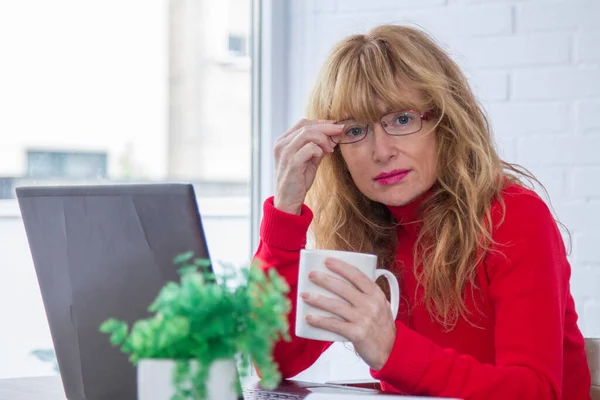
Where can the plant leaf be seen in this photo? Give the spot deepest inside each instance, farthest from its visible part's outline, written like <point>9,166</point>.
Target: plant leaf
<point>205,317</point>
<point>117,329</point>
<point>202,262</point>
<point>184,257</point>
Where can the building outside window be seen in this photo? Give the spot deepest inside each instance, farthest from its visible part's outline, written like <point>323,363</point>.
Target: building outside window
<point>237,45</point>
<point>64,164</point>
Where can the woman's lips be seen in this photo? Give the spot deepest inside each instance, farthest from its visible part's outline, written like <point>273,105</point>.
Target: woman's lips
<point>390,178</point>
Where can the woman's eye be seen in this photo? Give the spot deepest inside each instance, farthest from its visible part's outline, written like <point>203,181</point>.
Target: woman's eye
<point>355,131</point>
<point>402,119</point>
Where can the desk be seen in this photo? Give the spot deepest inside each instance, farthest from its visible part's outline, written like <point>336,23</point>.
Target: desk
<point>49,388</point>
<point>45,387</point>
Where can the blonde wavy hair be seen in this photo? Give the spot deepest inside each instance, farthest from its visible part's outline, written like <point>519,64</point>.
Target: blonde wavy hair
<point>363,71</point>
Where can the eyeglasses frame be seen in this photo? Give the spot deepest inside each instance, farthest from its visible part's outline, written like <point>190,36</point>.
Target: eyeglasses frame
<point>425,116</point>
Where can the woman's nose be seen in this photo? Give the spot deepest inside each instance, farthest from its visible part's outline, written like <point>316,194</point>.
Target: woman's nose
<point>383,144</point>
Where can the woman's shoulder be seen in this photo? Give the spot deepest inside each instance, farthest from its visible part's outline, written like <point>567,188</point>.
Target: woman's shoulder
<point>525,231</point>
<point>516,202</point>
<point>519,194</point>
<point>519,213</point>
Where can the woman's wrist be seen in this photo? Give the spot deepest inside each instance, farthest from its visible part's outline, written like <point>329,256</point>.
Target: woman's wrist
<point>386,349</point>
<point>290,209</point>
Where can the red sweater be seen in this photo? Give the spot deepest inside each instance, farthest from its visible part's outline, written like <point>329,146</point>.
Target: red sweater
<point>526,343</point>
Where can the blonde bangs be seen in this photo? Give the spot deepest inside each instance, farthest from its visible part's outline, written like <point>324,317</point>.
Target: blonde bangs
<point>359,91</point>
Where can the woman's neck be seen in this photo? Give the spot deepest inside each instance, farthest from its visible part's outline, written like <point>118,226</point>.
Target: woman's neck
<point>409,215</point>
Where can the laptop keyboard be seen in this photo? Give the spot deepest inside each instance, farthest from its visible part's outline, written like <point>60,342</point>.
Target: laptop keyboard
<point>254,394</point>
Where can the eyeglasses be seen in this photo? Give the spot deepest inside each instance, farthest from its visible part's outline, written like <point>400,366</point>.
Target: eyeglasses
<point>397,123</point>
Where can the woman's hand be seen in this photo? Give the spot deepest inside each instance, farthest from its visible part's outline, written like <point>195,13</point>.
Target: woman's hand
<point>297,154</point>
<point>367,320</point>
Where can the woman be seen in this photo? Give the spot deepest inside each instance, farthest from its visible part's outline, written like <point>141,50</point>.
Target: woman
<point>400,162</point>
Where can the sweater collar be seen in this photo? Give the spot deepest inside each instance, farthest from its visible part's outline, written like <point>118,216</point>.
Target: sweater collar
<point>409,215</point>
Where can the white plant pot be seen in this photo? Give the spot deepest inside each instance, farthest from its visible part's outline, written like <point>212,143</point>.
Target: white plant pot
<point>155,380</point>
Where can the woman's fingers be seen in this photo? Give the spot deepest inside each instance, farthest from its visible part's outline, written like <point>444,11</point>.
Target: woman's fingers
<point>297,153</point>
<point>352,275</point>
<point>318,134</point>
<point>337,286</point>
<point>286,146</point>
<point>309,151</point>
<point>351,331</point>
<point>304,123</point>
<point>334,306</point>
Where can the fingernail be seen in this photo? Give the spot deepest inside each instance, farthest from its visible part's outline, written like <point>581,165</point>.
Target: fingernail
<point>312,275</point>
<point>304,295</point>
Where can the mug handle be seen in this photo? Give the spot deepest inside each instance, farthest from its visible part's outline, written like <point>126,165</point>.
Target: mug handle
<point>394,289</point>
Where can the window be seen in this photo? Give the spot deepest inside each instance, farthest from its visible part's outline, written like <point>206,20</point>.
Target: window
<point>148,100</point>
<point>237,45</point>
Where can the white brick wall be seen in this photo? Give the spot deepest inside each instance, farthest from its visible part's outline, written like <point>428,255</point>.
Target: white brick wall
<point>514,50</point>
<point>549,15</point>
<point>565,83</point>
<point>535,64</point>
<point>586,46</point>
<point>491,85</point>
<point>514,118</point>
<point>588,117</point>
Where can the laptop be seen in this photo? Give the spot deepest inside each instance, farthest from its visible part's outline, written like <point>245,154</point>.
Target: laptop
<point>106,251</point>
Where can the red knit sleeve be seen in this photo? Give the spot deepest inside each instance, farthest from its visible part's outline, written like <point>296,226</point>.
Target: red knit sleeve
<point>529,289</point>
<point>282,236</point>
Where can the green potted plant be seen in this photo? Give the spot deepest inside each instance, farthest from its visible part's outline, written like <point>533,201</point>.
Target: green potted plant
<point>204,326</point>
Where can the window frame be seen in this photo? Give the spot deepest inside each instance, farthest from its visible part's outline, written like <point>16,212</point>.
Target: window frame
<point>269,51</point>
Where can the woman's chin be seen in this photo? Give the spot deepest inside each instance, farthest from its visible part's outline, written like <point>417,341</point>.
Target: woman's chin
<point>395,200</point>
<point>399,198</point>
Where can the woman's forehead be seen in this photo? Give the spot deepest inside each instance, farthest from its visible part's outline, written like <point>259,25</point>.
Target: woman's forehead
<point>363,102</point>
<point>381,109</point>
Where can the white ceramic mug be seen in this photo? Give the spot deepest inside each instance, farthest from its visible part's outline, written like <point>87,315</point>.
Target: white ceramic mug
<point>314,260</point>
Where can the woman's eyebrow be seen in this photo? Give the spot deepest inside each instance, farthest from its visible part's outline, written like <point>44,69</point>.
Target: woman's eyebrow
<point>344,119</point>
<point>403,107</point>
<point>387,110</point>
